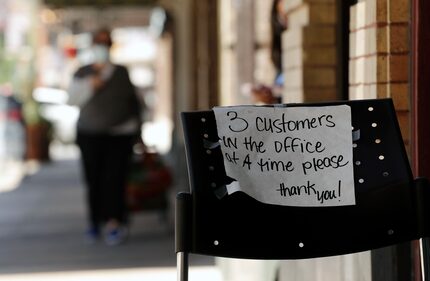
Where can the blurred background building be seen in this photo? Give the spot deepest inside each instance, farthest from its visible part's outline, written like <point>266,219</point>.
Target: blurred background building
<point>194,54</point>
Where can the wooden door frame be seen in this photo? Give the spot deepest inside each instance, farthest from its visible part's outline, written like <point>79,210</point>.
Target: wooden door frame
<point>420,87</point>
<point>420,98</point>
<point>205,53</point>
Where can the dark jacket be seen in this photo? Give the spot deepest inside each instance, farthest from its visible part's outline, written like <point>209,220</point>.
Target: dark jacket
<point>112,105</point>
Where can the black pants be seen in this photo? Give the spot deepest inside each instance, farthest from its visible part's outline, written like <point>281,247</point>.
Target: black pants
<point>105,160</point>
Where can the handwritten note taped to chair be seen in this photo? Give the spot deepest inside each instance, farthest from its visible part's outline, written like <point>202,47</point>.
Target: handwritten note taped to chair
<point>293,156</point>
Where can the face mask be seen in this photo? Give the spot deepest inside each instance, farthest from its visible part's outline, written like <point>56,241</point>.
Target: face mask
<point>100,53</point>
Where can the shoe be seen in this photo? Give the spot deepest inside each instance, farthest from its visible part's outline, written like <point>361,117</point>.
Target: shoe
<point>116,236</point>
<point>92,235</point>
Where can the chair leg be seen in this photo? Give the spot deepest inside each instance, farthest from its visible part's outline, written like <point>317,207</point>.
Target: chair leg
<point>425,258</point>
<point>182,266</point>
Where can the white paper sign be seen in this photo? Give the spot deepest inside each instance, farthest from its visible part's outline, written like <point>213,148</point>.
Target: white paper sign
<point>297,156</point>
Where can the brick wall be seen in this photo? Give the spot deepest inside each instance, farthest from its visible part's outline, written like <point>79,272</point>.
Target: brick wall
<point>379,55</point>
<point>309,51</point>
<point>264,71</point>
<point>399,63</point>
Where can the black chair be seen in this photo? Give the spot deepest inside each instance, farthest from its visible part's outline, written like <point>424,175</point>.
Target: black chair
<point>391,206</point>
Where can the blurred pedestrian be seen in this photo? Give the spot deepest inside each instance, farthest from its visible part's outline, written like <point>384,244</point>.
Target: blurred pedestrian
<point>278,24</point>
<point>262,94</point>
<point>108,125</point>
<point>272,94</point>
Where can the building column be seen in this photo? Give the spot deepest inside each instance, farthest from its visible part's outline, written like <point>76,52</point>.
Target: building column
<point>309,51</point>
<point>368,50</point>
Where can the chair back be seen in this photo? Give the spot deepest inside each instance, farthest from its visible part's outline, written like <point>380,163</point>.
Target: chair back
<point>390,205</point>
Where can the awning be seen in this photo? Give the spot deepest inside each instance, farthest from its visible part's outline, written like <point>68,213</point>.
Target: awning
<point>68,3</point>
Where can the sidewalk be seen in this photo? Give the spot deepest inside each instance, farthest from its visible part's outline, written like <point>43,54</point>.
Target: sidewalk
<point>11,174</point>
<point>41,226</point>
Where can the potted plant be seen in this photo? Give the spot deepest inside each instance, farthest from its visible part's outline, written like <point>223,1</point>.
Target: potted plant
<point>38,132</point>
